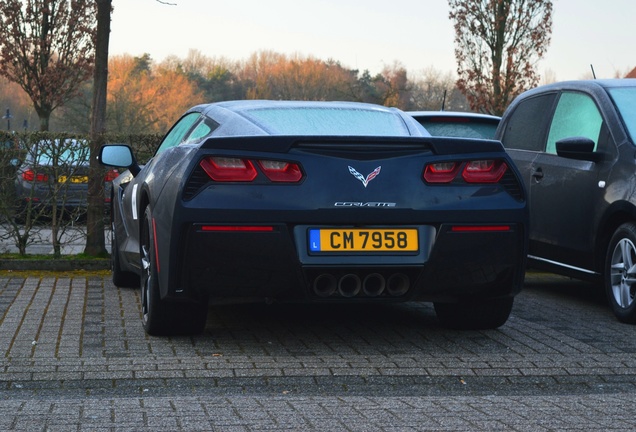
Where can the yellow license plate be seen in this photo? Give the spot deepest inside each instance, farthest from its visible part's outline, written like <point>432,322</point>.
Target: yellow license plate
<point>72,179</point>
<point>363,240</point>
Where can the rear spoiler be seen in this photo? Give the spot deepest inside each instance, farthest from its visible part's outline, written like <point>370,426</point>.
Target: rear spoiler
<point>284,143</point>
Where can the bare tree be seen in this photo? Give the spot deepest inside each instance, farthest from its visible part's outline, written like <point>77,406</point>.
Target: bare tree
<point>497,45</point>
<point>46,47</point>
<point>95,239</point>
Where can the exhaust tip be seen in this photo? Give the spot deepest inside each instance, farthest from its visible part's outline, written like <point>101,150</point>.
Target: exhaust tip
<point>349,285</point>
<point>398,284</point>
<point>325,285</point>
<point>373,284</point>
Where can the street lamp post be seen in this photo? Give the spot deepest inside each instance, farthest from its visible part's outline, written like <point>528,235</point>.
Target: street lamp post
<point>8,116</point>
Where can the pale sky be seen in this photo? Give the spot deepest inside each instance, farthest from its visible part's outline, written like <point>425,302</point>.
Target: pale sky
<point>364,34</point>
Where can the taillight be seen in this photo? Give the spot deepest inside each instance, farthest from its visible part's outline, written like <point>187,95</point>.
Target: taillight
<point>278,171</point>
<point>480,228</point>
<point>484,171</point>
<point>441,172</point>
<point>111,175</point>
<point>229,169</point>
<point>225,169</point>
<point>477,171</point>
<point>235,228</point>
<point>30,175</point>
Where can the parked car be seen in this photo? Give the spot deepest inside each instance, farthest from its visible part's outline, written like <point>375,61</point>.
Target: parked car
<point>458,124</point>
<point>54,173</point>
<point>574,143</point>
<point>316,202</point>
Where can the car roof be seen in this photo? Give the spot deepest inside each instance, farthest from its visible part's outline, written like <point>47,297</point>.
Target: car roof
<point>591,86</point>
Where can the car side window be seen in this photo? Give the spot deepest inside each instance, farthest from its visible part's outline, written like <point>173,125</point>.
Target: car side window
<point>576,115</point>
<point>178,132</point>
<point>526,127</point>
<point>203,129</point>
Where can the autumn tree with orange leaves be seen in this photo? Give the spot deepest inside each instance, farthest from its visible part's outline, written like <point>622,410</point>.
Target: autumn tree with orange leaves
<point>145,99</point>
<point>46,46</point>
<point>497,46</point>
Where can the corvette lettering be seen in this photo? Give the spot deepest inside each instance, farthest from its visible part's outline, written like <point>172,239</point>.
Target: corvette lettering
<point>363,204</point>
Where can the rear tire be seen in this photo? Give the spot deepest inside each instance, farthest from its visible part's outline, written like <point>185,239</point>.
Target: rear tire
<point>475,315</point>
<point>161,317</point>
<point>620,273</point>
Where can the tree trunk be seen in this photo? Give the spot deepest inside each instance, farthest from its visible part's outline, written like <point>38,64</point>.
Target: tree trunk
<point>95,239</point>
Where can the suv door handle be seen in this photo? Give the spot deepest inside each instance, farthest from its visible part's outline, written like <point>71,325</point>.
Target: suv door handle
<point>537,174</point>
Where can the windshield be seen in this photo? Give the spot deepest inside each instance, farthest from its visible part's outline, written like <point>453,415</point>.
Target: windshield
<point>625,100</point>
<point>328,121</point>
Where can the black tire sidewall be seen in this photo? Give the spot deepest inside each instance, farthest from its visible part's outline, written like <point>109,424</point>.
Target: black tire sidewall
<point>152,302</point>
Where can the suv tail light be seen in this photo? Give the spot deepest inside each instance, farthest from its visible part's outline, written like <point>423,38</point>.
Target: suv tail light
<point>477,171</point>
<point>30,175</point>
<point>111,175</point>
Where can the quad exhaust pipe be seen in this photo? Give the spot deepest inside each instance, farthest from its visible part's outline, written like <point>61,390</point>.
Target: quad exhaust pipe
<point>351,285</point>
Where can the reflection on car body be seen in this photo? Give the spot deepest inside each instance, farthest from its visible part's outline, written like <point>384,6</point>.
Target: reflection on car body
<point>574,143</point>
<point>316,202</point>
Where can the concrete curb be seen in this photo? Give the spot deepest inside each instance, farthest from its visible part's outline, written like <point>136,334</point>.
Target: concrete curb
<point>54,264</point>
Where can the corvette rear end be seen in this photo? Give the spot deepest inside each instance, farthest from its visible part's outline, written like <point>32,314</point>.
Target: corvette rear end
<point>327,219</point>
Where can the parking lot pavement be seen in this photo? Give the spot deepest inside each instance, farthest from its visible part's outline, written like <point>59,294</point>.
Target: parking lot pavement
<point>75,358</point>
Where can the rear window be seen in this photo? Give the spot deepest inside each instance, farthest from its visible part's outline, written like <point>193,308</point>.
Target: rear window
<point>55,153</point>
<point>328,121</point>
<point>466,128</point>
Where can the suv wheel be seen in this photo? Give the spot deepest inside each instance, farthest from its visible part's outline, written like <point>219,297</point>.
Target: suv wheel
<point>620,273</point>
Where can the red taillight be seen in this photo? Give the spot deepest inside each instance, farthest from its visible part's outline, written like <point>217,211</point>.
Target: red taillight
<point>111,175</point>
<point>225,169</point>
<point>484,171</point>
<point>30,175</point>
<point>278,171</point>
<point>234,228</point>
<point>480,228</point>
<point>229,169</point>
<point>477,171</point>
<point>442,172</point>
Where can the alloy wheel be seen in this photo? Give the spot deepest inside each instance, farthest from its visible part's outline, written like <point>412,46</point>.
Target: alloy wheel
<point>623,273</point>
<point>146,279</point>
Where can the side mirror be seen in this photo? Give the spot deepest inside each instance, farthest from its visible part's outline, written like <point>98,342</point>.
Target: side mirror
<point>579,148</point>
<point>118,155</point>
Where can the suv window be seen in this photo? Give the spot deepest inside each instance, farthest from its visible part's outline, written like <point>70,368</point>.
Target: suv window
<point>526,127</point>
<point>625,101</point>
<point>576,115</point>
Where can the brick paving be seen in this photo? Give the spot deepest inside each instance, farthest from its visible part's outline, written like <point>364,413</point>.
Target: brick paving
<point>74,357</point>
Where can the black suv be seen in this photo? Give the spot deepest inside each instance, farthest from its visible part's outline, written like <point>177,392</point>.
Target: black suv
<point>574,143</point>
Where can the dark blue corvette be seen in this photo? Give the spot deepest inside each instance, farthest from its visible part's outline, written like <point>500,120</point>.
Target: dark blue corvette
<point>316,202</point>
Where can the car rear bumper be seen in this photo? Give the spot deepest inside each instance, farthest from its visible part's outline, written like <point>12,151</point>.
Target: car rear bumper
<point>449,266</point>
